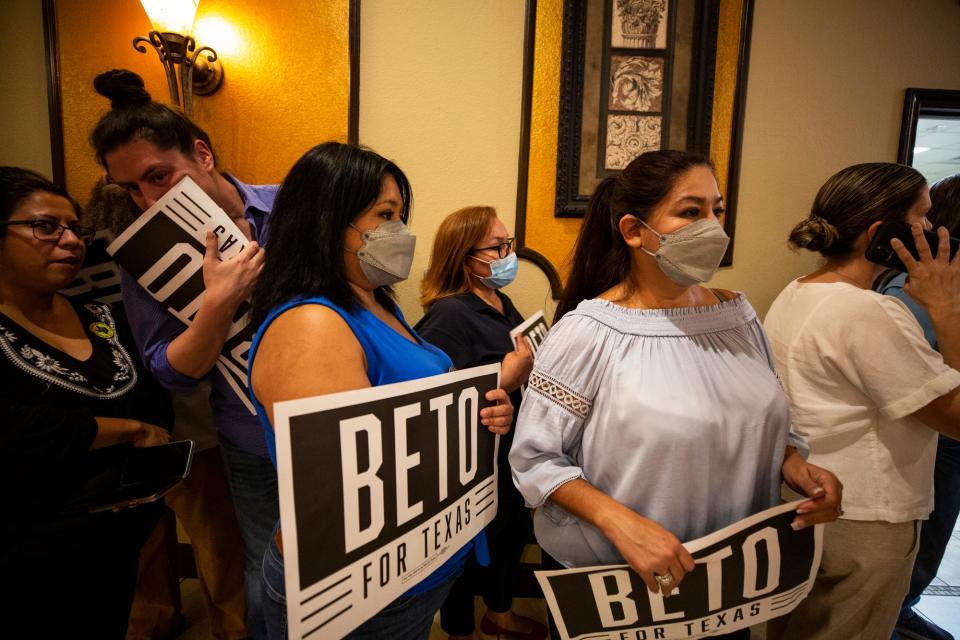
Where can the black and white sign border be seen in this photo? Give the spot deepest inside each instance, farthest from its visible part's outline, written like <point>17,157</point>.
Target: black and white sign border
<point>312,608</point>
<point>769,607</point>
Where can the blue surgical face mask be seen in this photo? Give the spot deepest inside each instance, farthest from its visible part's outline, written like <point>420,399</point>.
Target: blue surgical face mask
<point>503,271</point>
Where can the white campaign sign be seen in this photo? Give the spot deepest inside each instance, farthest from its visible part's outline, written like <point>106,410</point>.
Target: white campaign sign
<point>378,488</point>
<point>749,572</point>
<point>534,328</point>
<point>163,249</point>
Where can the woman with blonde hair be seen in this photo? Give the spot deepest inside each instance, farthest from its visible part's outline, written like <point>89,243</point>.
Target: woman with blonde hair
<point>469,318</point>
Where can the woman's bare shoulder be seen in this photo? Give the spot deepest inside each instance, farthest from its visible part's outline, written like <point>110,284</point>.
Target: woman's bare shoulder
<point>308,318</point>
<point>308,350</point>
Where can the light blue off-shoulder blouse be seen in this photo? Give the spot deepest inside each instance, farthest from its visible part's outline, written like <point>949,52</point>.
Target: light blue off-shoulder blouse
<point>676,413</point>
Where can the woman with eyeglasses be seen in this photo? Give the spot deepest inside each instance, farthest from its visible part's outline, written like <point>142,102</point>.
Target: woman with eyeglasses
<point>470,318</point>
<point>72,398</point>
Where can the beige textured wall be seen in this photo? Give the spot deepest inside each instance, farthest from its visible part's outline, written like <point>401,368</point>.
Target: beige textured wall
<point>440,89</point>
<point>826,86</point>
<point>24,128</point>
<point>441,94</point>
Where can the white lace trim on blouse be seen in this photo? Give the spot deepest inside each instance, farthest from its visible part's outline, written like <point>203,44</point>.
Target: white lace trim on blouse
<point>559,393</point>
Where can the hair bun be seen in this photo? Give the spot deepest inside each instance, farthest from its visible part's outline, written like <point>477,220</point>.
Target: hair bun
<point>814,233</point>
<point>124,88</point>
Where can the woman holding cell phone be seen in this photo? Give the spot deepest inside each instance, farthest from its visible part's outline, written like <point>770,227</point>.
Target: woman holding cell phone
<point>867,392</point>
<point>72,394</point>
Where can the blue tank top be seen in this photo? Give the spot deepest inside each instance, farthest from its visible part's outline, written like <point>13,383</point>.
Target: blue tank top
<point>390,358</point>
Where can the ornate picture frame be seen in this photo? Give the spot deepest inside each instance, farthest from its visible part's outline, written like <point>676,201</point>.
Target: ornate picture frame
<point>638,75</point>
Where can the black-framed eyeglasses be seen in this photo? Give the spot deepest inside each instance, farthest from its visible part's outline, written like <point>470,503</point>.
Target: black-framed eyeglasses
<point>52,231</point>
<point>502,249</point>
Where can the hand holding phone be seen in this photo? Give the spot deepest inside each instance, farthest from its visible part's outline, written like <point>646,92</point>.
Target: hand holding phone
<point>147,473</point>
<point>151,436</point>
<point>934,274</point>
<point>881,252</point>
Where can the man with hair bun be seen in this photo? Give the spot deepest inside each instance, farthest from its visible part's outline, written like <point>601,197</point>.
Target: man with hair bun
<point>146,147</point>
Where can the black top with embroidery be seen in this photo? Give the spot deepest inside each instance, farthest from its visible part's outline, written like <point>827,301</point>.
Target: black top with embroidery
<point>48,401</point>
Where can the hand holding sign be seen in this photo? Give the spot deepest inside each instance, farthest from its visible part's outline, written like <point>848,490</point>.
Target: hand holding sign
<point>168,252</point>
<point>744,574</point>
<point>517,365</point>
<point>528,336</point>
<point>229,282</point>
<point>533,329</point>
<point>497,418</point>
<point>649,549</point>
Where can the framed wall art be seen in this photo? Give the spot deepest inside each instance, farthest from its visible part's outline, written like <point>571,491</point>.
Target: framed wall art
<point>641,75</point>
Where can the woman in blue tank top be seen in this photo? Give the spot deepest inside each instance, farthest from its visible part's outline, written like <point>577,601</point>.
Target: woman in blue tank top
<point>328,323</point>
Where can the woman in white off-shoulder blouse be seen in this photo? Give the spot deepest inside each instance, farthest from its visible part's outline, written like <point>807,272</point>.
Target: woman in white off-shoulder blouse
<point>653,414</point>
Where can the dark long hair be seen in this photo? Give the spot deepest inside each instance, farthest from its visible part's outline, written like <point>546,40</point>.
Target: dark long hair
<point>601,259</point>
<point>110,207</point>
<point>324,192</point>
<point>134,115</point>
<point>17,184</point>
<point>945,208</point>
<point>853,199</point>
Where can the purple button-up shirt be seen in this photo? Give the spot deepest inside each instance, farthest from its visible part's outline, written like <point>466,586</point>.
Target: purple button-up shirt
<point>154,328</point>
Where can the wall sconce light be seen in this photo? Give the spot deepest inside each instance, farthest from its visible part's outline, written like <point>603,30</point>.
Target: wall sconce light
<point>171,38</point>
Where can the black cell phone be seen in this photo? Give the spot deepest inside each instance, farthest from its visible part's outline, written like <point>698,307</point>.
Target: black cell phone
<point>882,253</point>
<point>148,473</point>
<point>148,464</point>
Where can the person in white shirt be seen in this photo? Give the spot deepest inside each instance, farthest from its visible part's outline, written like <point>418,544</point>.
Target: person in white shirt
<point>867,393</point>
